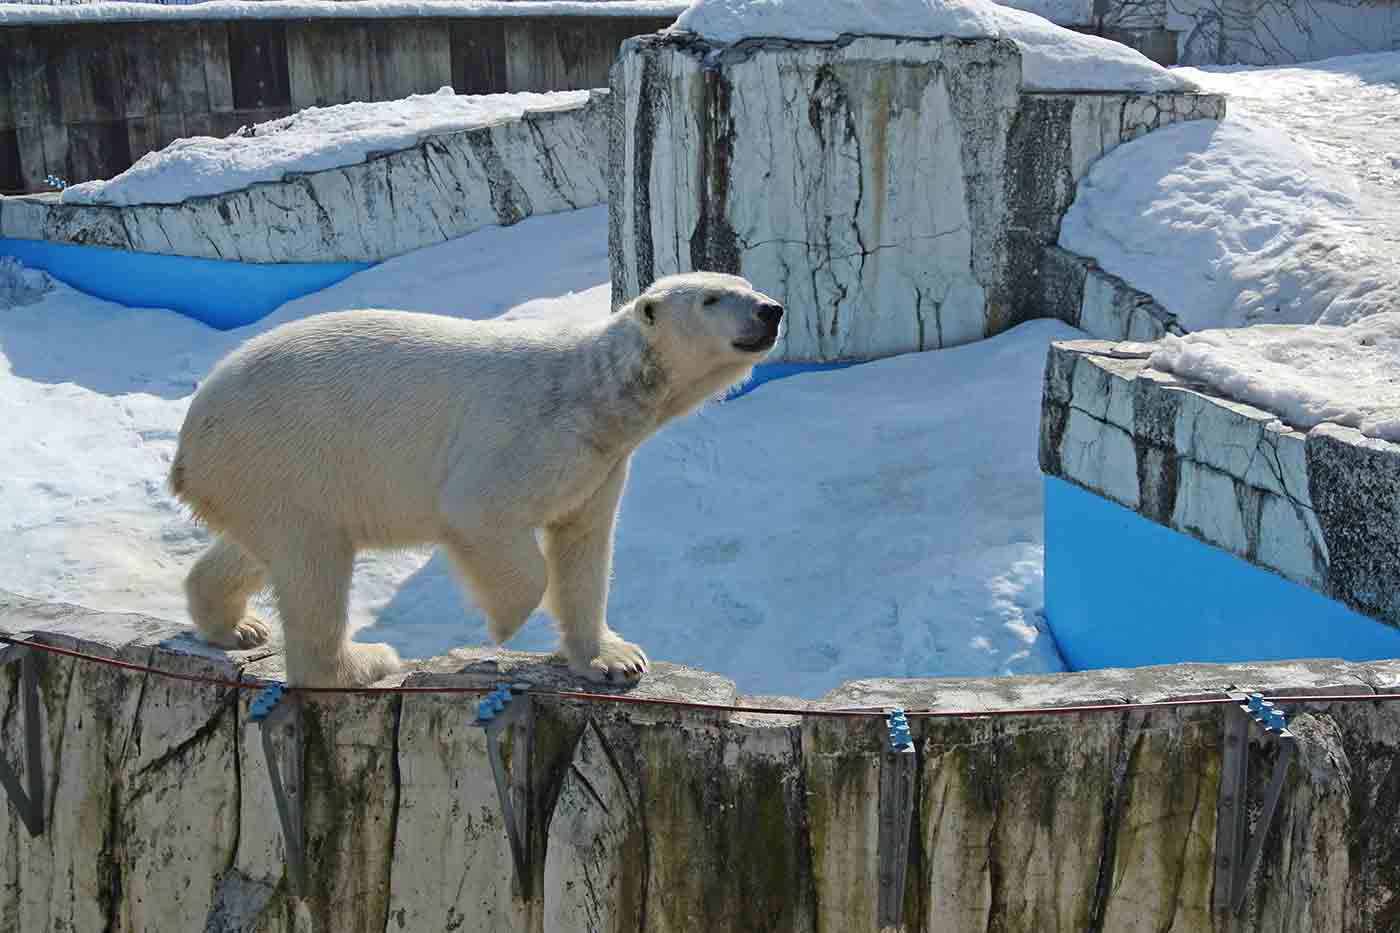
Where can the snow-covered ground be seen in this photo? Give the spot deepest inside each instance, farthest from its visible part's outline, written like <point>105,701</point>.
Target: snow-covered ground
<point>879,520</point>
<point>310,140</point>
<point>1287,211</point>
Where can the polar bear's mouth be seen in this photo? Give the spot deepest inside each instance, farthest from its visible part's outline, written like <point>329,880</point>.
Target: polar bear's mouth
<point>757,344</point>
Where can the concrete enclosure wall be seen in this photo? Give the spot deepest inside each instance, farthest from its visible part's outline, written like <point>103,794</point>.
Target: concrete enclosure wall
<point>160,814</point>
<point>897,195</point>
<point>85,100</point>
<point>448,185</point>
<point>1317,508</point>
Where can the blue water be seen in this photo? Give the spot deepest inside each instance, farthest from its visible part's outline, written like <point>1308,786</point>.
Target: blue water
<point>1123,591</point>
<point>219,293</point>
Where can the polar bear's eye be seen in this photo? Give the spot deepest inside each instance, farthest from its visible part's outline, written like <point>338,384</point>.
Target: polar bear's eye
<point>710,300</point>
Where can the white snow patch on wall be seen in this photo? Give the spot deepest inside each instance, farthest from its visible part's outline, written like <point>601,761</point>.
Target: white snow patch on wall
<point>1305,375</point>
<point>1057,59</point>
<point>312,140</point>
<point>1288,211</point>
<point>1061,12</point>
<point>1053,58</point>
<point>823,20</point>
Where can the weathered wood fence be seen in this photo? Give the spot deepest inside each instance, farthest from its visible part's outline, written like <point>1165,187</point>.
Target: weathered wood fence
<point>85,100</point>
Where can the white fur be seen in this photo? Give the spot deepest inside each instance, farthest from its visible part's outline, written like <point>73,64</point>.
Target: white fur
<point>379,429</point>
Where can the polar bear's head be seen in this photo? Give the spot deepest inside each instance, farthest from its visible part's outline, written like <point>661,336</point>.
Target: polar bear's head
<point>709,317</point>
<point>707,330</point>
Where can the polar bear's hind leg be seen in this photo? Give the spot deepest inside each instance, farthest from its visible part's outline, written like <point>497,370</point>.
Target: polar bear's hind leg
<point>218,589</point>
<point>310,572</point>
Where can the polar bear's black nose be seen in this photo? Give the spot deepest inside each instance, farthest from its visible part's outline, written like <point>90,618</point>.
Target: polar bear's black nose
<point>770,313</point>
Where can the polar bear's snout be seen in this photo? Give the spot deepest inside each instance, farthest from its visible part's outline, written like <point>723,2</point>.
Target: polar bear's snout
<point>770,316</point>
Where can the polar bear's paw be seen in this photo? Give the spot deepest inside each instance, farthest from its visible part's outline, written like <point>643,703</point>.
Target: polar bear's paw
<point>364,664</point>
<point>615,660</point>
<point>248,632</point>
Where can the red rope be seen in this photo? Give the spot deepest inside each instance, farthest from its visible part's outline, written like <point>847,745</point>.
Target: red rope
<point>690,704</point>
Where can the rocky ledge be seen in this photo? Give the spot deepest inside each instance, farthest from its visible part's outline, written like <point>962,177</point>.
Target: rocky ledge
<point>445,187</point>
<point>1321,508</point>
<point>160,813</point>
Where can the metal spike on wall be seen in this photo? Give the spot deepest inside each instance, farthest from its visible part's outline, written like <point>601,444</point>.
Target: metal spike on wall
<point>270,708</point>
<point>898,770</point>
<point>30,803</point>
<point>1236,850</point>
<point>496,713</point>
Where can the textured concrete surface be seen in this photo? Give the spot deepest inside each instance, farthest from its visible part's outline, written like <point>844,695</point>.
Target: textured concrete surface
<point>657,817</point>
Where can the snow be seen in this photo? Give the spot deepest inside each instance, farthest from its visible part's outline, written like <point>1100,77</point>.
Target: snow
<point>1287,211</point>
<point>1060,12</point>
<point>882,520</point>
<point>311,140</point>
<point>1059,59</point>
<point>1305,375</point>
<point>728,21</point>
<point>21,286</point>
<point>1052,58</point>
<point>27,14</point>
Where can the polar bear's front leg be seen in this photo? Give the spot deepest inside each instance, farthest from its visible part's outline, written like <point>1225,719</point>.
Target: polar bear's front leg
<point>505,573</point>
<point>579,554</point>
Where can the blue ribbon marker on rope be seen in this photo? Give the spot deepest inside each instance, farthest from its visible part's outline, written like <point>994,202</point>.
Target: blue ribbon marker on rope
<point>265,701</point>
<point>491,705</point>
<point>1269,716</point>
<point>900,736</point>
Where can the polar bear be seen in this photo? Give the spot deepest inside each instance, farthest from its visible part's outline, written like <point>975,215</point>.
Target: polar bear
<point>506,443</point>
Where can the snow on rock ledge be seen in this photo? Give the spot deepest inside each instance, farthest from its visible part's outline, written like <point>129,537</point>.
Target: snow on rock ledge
<point>530,154</point>
<point>897,194</point>
<point>1318,506</point>
<point>1053,58</point>
<point>1307,375</point>
<point>311,140</point>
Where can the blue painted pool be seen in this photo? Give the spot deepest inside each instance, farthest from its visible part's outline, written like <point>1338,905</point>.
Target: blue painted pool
<point>226,294</point>
<point>222,294</point>
<point>1123,591</point>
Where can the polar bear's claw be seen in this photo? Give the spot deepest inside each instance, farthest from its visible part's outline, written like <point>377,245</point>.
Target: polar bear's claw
<point>252,632</point>
<point>248,632</point>
<point>615,661</point>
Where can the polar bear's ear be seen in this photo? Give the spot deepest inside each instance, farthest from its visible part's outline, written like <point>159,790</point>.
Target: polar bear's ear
<point>649,311</point>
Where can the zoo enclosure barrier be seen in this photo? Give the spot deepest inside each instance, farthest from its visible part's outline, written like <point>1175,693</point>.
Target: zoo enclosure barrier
<point>510,706</point>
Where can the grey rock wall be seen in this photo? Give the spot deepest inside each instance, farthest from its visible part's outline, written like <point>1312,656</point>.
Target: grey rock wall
<point>896,194</point>
<point>1321,508</point>
<point>445,187</point>
<point>1077,291</point>
<point>660,818</point>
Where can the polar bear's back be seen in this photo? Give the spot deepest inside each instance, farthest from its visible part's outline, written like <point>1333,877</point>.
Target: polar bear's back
<point>357,416</point>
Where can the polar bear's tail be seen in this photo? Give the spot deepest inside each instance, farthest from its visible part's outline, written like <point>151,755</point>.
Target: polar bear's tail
<point>179,487</point>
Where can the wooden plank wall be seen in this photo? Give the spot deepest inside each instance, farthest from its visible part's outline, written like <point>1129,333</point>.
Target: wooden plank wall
<point>84,101</point>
